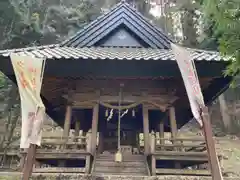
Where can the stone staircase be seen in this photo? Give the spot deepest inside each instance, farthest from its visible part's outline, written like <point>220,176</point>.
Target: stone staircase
<point>134,165</point>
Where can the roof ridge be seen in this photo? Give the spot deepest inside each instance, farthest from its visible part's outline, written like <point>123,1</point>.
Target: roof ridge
<point>83,37</point>
<point>96,21</point>
<point>148,21</point>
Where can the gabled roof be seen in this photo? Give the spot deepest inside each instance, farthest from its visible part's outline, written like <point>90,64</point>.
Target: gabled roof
<point>125,15</point>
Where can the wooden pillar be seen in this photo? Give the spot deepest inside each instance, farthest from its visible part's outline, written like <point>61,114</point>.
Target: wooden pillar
<point>67,122</point>
<point>212,155</point>
<point>66,129</point>
<point>161,133</point>
<point>146,130</point>
<point>94,129</point>
<point>173,124</point>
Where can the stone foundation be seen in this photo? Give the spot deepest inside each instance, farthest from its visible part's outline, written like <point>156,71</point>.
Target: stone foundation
<point>17,176</point>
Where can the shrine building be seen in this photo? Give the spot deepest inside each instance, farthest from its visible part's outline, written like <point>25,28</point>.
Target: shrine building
<point>120,62</point>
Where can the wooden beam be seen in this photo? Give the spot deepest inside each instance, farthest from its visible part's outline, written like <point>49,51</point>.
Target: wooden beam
<point>94,129</point>
<point>146,130</point>
<point>114,98</point>
<point>212,155</point>
<point>81,100</point>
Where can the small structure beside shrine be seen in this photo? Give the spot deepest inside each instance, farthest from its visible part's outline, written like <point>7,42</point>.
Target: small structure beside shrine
<point>120,62</point>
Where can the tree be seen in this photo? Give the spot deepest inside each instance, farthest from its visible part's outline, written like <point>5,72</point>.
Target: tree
<point>225,15</point>
<point>31,22</point>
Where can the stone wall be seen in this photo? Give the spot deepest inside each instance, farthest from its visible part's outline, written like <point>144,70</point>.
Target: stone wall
<point>13,176</point>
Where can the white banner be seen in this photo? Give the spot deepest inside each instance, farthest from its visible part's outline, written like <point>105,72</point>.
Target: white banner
<point>29,75</point>
<point>190,78</point>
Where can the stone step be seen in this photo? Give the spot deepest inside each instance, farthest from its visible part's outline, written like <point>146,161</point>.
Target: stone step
<point>131,165</point>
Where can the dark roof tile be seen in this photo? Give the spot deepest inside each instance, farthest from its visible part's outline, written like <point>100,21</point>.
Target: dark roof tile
<point>121,14</point>
<point>110,53</point>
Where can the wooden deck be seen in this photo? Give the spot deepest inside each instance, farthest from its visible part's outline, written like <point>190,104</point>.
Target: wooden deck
<point>185,152</point>
<point>181,152</point>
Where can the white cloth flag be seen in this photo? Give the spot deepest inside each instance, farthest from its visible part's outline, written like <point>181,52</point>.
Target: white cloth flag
<point>190,78</point>
<point>29,74</point>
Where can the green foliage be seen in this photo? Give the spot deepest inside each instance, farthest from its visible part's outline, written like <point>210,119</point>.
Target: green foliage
<point>35,22</point>
<point>2,80</point>
<point>225,15</point>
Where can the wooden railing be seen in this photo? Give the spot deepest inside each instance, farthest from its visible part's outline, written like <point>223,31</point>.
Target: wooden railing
<point>179,144</point>
<point>177,150</point>
<point>64,142</point>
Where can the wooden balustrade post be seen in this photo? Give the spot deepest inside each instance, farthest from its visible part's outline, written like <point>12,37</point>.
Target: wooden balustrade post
<point>100,142</point>
<point>161,133</point>
<point>146,130</point>
<point>77,130</point>
<point>153,159</point>
<point>173,124</point>
<point>212,155</point>
<point>88,147</point>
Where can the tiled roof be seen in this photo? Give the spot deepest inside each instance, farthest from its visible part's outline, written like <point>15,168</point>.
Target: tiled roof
<point>120,14</point>
<point>109,53</point>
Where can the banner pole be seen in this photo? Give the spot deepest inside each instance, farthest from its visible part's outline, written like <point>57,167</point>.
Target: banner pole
<point>212,155</point>
<point>30,159</point>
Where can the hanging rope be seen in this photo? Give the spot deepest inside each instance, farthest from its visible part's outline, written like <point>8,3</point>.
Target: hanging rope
<point>119,118</point>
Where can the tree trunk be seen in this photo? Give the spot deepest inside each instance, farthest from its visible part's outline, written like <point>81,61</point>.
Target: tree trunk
<point>224,112</point>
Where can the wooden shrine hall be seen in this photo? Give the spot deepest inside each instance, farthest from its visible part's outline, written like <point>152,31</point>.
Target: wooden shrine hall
<point>115,79</point>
